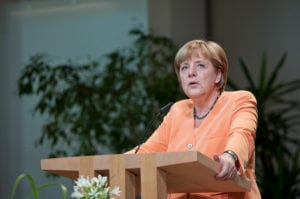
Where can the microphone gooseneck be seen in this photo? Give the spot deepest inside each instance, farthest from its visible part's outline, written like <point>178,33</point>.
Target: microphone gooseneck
<point>164,110</point>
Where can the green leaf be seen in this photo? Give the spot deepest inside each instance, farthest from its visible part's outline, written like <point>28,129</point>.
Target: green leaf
<point>274,74</point>
<point>29,178</point>
<point>263,74</point>
<point>63,188</point>
<point>247,74</point>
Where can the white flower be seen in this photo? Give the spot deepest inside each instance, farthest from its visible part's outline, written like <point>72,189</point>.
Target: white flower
<point>95,180</point>
<point>76,194</point>
<point>83,182</point>
<point>96,188</point>
<point>116,191</point>
<point>102,180</point>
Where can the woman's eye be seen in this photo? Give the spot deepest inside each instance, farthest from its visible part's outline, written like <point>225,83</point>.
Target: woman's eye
<point>200,65</point>
<point>184,67</point>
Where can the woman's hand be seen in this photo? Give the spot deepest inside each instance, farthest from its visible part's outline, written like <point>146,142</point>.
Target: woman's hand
<point>228,170</point>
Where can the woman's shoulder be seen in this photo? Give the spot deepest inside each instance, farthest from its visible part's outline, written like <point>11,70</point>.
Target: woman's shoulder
<point>182,105</point>
<point>239,95</point>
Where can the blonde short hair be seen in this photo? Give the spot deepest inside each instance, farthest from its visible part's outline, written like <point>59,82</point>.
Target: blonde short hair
<point>210,50</point>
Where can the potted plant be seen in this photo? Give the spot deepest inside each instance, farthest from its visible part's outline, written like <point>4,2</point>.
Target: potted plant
<point>105,104</point>
<point>277,144</point>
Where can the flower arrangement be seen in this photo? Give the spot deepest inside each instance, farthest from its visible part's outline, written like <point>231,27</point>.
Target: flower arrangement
<point>95,188</point>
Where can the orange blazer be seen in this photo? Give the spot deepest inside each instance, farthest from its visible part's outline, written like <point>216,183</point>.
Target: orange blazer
<point>231,125</point>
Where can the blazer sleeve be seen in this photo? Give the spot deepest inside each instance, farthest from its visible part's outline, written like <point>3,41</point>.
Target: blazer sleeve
<point>241,139</point>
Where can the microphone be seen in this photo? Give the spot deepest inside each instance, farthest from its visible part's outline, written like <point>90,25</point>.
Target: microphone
<point>164,110</point>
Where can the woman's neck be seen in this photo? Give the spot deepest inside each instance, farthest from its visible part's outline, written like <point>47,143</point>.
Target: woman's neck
<point>206,109</point>
<point>203,106</point>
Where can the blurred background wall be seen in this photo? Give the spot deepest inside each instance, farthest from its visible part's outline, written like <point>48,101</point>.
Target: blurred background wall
<point>83,29</point>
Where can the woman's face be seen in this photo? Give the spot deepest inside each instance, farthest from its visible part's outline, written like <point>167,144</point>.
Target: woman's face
<point>198,76</point>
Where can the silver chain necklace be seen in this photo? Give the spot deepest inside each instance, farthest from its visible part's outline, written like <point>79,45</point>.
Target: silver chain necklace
<point>204,116</point>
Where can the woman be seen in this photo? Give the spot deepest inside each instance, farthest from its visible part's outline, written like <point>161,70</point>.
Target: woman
<point>219,124</point>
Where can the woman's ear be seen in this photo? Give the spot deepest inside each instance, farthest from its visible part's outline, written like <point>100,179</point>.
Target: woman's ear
<point>218,76</point>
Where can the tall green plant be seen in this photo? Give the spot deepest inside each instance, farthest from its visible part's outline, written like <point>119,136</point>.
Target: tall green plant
<point>103,104</point>
<point>277,144</point>
<point>35,190</point>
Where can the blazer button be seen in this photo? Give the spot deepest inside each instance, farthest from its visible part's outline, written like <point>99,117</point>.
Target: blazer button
<point>189,146</point>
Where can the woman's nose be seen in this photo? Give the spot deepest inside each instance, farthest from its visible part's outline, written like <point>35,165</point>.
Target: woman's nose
<point>192,71</point>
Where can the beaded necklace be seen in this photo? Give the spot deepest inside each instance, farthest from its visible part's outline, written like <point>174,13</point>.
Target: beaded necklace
<point>203,116</point>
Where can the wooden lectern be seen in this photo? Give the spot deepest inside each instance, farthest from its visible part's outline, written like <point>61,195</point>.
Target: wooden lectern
<point>153,174</point>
